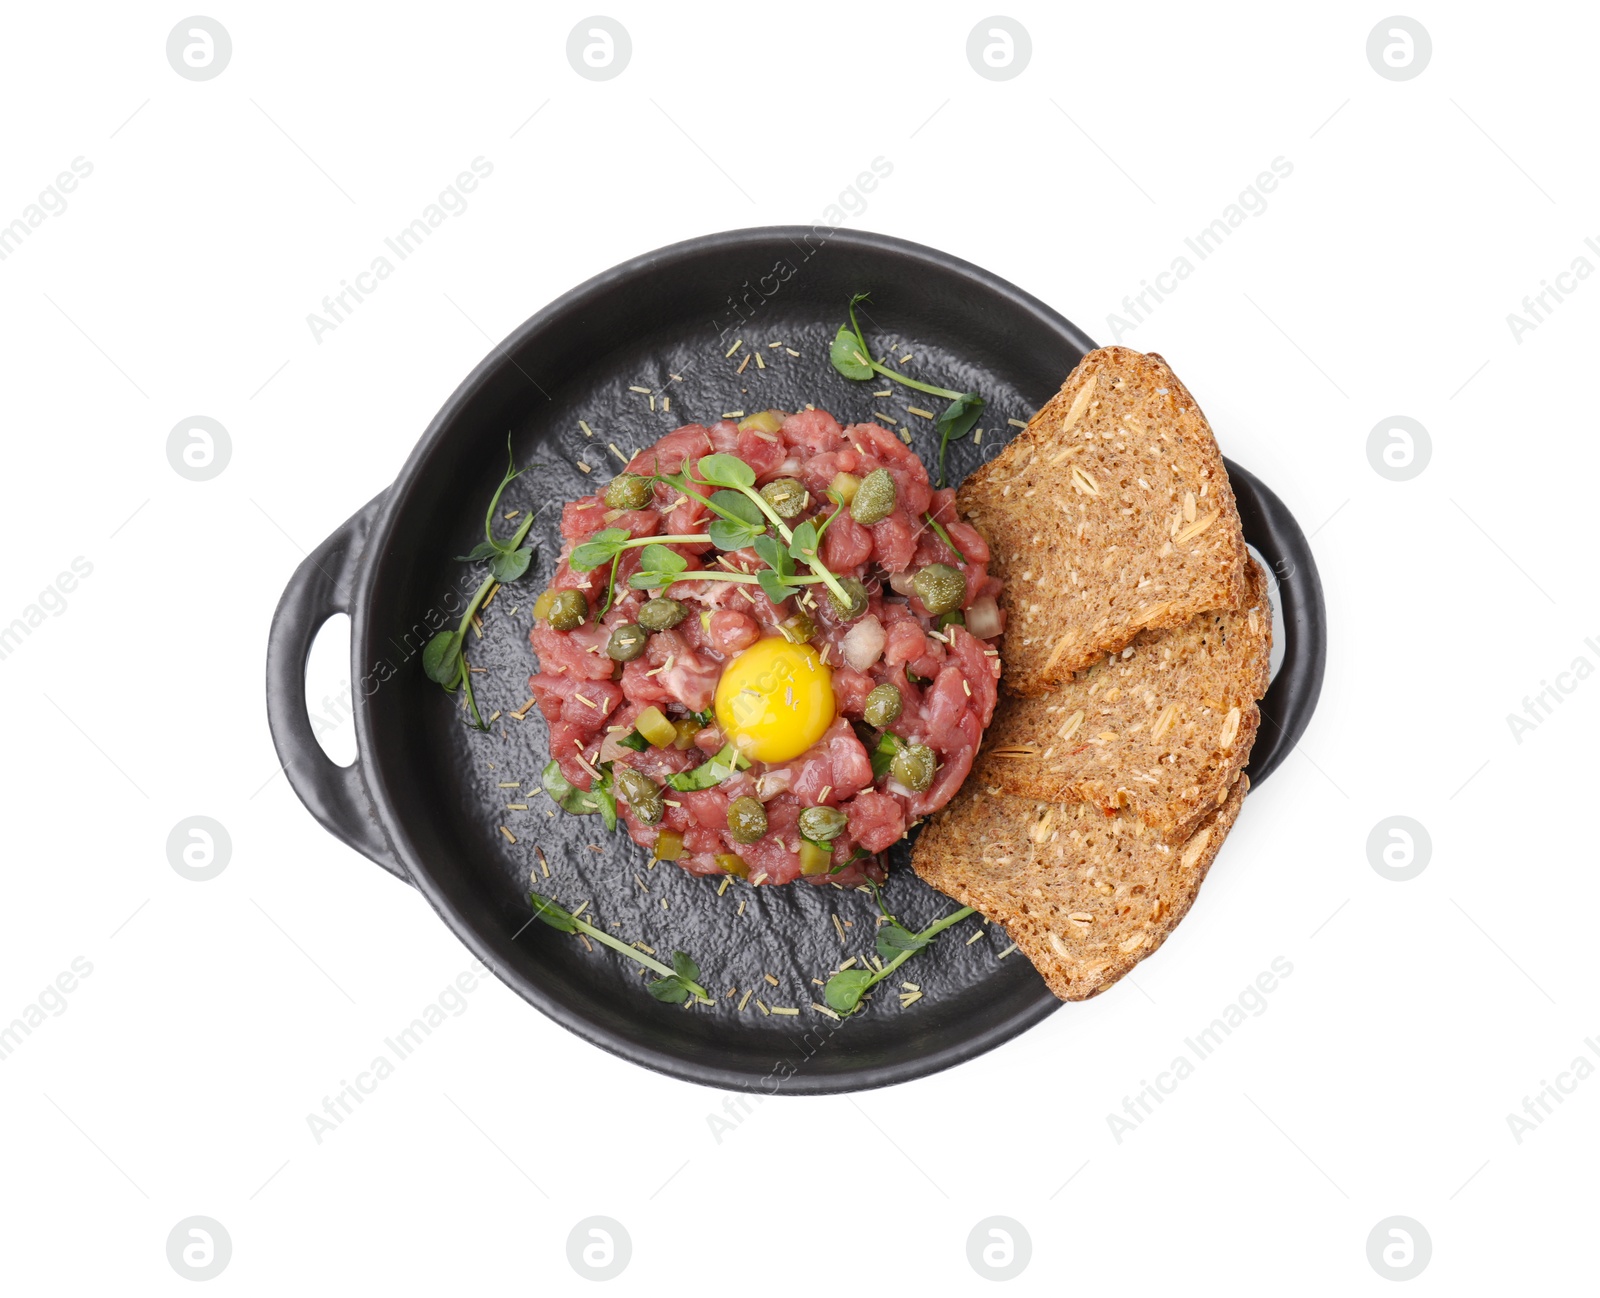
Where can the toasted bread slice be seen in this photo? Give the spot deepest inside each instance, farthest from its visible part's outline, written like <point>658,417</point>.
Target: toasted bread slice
<point>1162,728</point>
<point>1085,896</point>
<point>1110,514</point>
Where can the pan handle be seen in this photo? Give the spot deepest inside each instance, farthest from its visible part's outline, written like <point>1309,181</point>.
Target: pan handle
<point>323,585</point>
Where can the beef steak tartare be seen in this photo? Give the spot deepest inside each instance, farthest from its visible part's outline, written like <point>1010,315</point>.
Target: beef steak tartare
<point>767,648</point>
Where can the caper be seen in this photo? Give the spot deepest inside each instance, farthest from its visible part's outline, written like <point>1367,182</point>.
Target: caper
<point>858,600</point>
<point>798,628</point>
<point>786,496</point>
<point>640,792</point>
<point>626,643</point>
<point>747,820</point>
<point>883,705</point>
<point>913,767</point>
<point>629,491</point>
<point>568,610</point>
<point>822,824</point>
<point>661,614</point>
<point>940,587</point>
<point>875,498</point>
<point>955,617</point>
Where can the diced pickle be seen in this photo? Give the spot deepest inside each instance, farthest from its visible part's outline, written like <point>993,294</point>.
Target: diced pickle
<point>687,728</point>
<point>844,486</point>
<point>814,858</point>
<point>728,863</point>
<point>669,845</point>
<point>654,726</point>
<point>763,421</point>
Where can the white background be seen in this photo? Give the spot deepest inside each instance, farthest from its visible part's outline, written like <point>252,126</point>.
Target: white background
<point>1377,282</point>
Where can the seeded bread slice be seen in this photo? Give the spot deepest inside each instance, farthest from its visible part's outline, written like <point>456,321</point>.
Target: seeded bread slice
<point>1085,896</point>
<point>1110,514</point>
<point>1162,728</point>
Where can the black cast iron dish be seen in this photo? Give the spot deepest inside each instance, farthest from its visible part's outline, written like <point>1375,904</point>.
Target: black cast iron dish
<point>423,799</point>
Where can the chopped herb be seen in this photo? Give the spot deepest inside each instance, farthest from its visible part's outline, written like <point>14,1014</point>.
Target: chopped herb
<point>598,799</point>
<point>883,755</point>
<point>709,774</point>
<point>634,740</point>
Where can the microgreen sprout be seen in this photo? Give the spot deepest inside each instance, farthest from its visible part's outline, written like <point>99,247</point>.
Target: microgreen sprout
<point>678,983</point>
<point>896,944</point>
<point>852,358</point>
<point>444,658</point>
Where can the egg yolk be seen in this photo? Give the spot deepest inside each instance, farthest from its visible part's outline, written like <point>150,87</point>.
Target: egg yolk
<point>774,700</point>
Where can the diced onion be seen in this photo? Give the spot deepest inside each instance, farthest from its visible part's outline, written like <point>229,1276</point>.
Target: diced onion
<point>770,785</point>
<point>611,749</point>
<point>983,618</point>
<point>863,643</point>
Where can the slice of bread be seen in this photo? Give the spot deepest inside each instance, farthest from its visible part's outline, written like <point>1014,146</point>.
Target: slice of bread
<point>1162,728</point>
<point>1110,514</point>
<point>1085,896</point>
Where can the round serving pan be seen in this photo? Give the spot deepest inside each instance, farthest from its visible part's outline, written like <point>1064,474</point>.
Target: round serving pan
<point>426,797</point>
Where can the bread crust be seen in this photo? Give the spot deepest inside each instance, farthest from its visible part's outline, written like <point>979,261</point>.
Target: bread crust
<point>1085,896</point>
<point>1162,728</point>
<point>1110,514</point>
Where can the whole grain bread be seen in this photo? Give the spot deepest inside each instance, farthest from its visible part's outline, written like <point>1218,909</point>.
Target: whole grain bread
<point>1162,728</point>
<point>1110,514</point>
<point>1085,896</point>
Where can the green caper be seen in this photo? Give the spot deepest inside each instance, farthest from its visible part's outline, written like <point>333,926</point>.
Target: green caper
<point>629,491</point>
<point>822,824</point>
<point>786,496</point>
<point>858,600</point>
<point>626,643</point>
<point>747,820</point>
<point>568,609</point>
<point>875,498</point>
<point>940,587</point>
<point>798,628</point>
<point>661,614</point>
<point>640,792</point>
<point>955,617</point>
<point>883,705</point>
<point>913,767</point>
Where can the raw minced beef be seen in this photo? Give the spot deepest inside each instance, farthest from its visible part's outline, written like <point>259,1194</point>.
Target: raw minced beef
<point>947,678</point>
